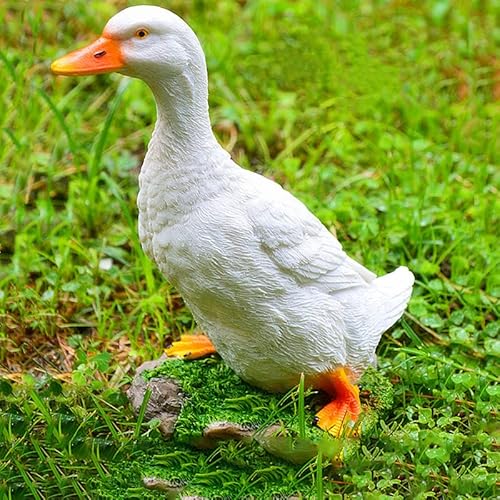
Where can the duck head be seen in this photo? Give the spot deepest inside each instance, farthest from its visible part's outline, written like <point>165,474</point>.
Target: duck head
<point>157,46</point>
<point>144,41</point>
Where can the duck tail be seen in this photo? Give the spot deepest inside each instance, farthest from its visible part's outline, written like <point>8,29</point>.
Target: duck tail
<point>396,288</point>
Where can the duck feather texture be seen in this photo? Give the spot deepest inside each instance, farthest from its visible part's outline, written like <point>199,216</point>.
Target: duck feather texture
<point>267,282</point>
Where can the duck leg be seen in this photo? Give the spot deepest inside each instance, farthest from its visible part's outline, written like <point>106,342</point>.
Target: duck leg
<point>339,416</point>
<point>191,347</point>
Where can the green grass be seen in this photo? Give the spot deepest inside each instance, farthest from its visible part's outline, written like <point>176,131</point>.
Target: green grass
<point>380,116</point>
<point>54,432</point>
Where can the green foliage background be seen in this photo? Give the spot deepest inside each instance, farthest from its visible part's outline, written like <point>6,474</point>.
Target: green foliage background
<point>382,116</point>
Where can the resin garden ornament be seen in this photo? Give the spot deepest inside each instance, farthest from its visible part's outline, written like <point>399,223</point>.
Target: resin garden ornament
<point>269,285</point>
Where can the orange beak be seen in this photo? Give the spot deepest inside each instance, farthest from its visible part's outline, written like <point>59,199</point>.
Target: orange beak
<point>102,56</point>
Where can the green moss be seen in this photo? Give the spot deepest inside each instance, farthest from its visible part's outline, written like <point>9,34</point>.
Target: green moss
<point>216,394</point>
<point>239,469</point>
<point>232,470</point>
<point>377,393</point>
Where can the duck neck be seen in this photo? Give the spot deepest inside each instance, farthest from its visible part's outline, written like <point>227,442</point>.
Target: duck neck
<point>182,131</point>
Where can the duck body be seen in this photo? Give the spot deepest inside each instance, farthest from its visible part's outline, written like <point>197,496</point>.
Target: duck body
<point>264,279</point>
<point>270,286</point>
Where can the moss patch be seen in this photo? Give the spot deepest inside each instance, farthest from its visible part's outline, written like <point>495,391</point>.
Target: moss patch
<point>239,469</point>
<point>216,394</point>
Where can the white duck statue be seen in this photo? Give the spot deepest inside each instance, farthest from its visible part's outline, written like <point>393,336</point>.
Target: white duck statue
<point>269,285</point>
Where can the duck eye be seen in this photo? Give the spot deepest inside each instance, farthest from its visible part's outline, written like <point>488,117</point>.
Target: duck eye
<point>141,33</point>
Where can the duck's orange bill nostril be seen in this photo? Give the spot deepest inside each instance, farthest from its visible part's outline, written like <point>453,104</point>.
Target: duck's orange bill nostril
<point>102,56</point>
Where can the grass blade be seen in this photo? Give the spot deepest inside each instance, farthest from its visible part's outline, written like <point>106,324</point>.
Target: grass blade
<point>60,118</point>
<point>319,475</point>
<point>27,479</point>
<point>301,409</point>
<point>142,412</point>
<point>101,140</point>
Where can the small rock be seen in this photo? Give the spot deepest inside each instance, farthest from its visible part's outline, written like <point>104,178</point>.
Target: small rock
<point>171,489</point>
<point>221,431</point>
<point>228,430</point>
<point>165,401</point>
<point>151,365</point>
<point>276,441</point>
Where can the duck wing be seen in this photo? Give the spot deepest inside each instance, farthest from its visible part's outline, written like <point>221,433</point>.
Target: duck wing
<point>298,243</point>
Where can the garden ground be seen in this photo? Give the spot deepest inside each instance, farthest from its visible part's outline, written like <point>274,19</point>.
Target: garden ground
<point>381,116</point>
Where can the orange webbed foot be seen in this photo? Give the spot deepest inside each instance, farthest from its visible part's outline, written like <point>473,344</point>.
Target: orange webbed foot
<point>339,416</point>
<point>191,347</point>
